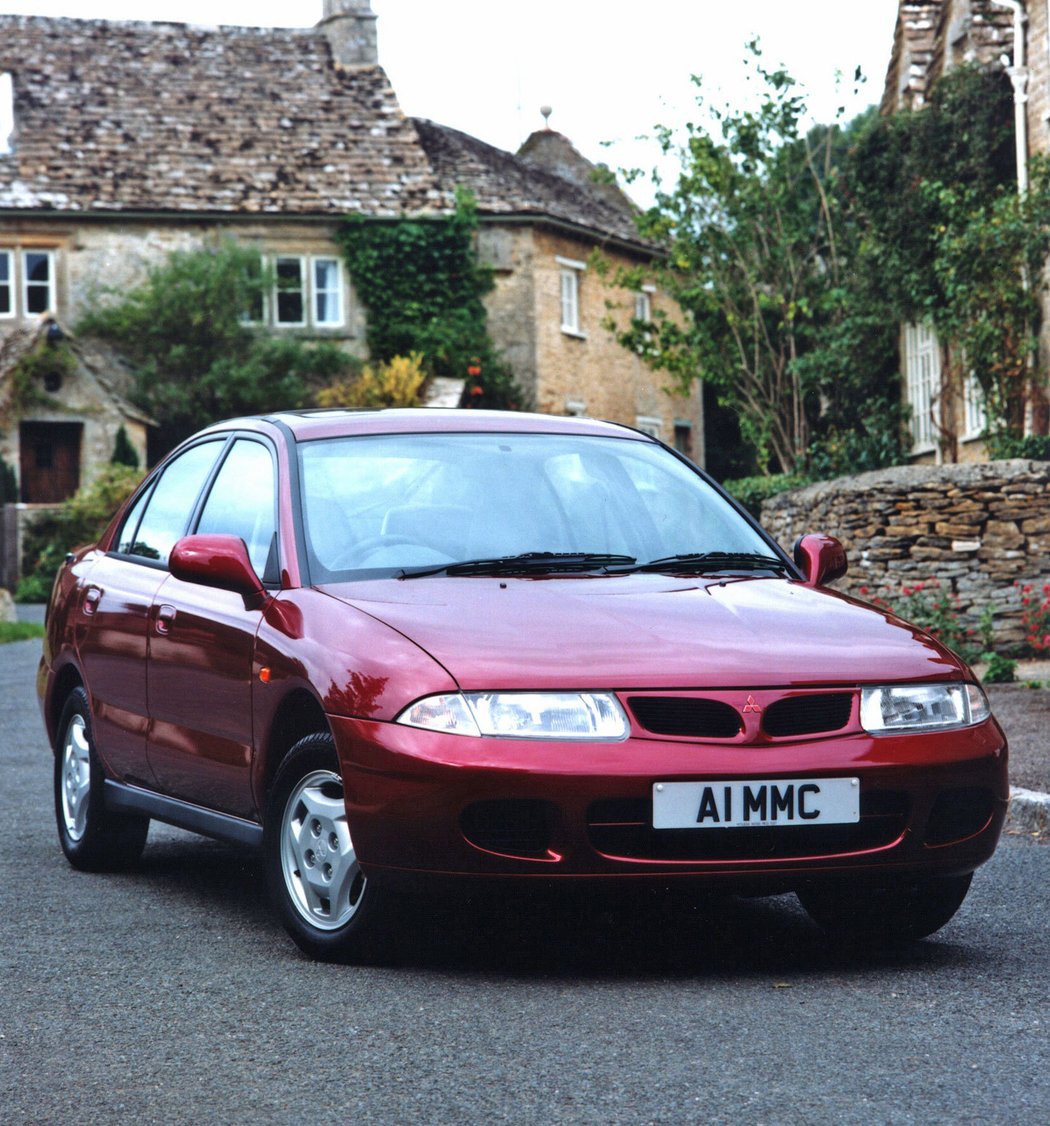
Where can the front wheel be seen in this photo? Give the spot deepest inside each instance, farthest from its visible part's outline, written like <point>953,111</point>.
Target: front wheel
<point>322,896</point>
<point>94,838</point>
<point>899,911</point>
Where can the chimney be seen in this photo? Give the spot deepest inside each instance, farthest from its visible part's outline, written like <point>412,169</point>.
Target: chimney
<point>350,26</point>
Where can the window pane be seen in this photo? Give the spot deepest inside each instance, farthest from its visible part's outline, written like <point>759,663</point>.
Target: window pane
<point>289,297</point>
<point>171,505</point>
<point>242,500</point>
<point>327,292</point>
<point>570,319</point>
<point>7,304</point>
<point>37,267</point>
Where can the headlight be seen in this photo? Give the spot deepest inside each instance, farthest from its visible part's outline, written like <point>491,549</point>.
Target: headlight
<point>921,707</point>
<point>521,715</point>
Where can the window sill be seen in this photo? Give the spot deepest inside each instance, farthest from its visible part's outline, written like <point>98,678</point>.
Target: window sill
<point>573,332</point>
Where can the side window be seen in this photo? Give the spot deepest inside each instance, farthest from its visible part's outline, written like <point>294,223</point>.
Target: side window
<point>39,280</point>
<point>126,540</point>
<point>288,296</point>
<point>171,503</point>
<point>7,296</point>
<point>242,502</point>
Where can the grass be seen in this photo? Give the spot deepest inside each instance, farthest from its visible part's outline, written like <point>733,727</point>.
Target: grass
<point>19,631</point>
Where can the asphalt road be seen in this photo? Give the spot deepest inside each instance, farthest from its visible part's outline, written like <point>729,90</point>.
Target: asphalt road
<point>168,995</point>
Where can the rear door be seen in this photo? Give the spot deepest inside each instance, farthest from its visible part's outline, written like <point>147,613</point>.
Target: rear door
<point>116,604</point>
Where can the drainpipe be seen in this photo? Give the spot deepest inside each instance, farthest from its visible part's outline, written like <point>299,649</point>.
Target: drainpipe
<point>1018,73</point>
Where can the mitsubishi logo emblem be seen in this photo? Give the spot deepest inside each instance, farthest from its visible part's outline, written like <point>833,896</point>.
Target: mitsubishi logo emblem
<point>751,706</point>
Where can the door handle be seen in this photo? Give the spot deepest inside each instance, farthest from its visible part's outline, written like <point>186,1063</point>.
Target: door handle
<point>92,597</point>
<point>165,618</point>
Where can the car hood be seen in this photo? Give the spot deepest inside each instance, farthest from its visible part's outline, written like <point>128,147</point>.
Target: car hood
<point>648,631</point>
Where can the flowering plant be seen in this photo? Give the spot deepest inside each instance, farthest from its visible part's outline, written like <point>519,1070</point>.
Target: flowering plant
<point>1035,616</point>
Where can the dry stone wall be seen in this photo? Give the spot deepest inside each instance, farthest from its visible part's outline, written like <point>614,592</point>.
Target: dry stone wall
<point>979,529</point>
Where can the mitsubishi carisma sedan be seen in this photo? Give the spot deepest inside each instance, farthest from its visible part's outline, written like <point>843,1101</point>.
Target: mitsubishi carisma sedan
<point>396,647</point>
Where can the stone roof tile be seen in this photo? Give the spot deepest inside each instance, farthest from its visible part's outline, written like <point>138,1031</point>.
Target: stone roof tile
<point>507,184</point>
<point>169,117</point>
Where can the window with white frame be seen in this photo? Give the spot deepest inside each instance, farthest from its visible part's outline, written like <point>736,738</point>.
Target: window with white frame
<point>27,282</point>
<point>38,281</point>
<point>643,305</point>
<point>570,273</point>
<point>975,418</point>
<point>327,292</point>
<point>922,360</point>
<point>649,424</point>
<point>305,292</point>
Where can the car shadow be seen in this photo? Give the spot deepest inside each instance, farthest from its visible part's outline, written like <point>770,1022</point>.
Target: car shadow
<point>552,934</point>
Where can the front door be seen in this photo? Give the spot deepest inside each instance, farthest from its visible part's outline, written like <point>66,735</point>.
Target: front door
<point>49,458</point>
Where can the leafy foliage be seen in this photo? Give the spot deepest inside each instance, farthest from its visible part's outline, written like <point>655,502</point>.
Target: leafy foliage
<point>947,239</point>
<point>759,258</point>
<point>195,358</point>
<point>45,365</point>
<point>123,451</point>
<point>753,491</point>
<point>393,384</point>
<point>424,288</point>
<point>80,519</point>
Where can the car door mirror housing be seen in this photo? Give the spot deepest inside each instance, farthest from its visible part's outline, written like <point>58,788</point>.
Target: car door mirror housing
<point>218,561</point>
<point>821,559</point>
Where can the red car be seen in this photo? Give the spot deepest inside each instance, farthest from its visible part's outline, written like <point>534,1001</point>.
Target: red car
<point>401,645</point>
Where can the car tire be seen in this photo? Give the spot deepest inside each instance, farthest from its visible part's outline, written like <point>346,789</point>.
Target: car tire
<point>902,911</point>
<point>329,907</point>
<point>94,838</point>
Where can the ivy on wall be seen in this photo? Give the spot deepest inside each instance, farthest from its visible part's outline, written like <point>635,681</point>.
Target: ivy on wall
<point>424,289</point>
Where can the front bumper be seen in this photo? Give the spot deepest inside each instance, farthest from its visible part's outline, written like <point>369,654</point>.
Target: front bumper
<point>427,803</point>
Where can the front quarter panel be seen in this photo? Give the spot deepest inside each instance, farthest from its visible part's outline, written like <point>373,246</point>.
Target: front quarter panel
<point>350,663</point>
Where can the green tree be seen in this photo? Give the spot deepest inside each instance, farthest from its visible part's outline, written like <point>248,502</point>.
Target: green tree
<point>757,258</point>
<point>123,451</point>
<point>195,358</point>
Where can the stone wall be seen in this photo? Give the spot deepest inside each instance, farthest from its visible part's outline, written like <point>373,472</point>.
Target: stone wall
<point>978,529</point>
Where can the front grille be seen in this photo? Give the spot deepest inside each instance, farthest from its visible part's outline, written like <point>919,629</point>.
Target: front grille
<point>808,715</point>
<point>688,716</point>
<point>623,828</point>
<point>513,827</point>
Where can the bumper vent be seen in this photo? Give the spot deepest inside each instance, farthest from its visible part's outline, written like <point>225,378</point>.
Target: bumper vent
<point>808,715</point>
<point>513,827</point>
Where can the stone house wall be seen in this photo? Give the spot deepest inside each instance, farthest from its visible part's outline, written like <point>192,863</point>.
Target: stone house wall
<point>978,529</point>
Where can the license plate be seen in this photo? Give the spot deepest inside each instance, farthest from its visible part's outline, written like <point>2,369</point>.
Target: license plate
<point>751,804</point>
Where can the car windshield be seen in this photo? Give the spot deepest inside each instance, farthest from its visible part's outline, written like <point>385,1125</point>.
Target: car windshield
<point>394,505</point>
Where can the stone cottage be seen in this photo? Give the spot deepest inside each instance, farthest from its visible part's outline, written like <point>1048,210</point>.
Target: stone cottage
<point>132,140</point>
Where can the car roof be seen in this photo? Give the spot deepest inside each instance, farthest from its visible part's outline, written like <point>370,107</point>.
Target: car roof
<point>308,425</point>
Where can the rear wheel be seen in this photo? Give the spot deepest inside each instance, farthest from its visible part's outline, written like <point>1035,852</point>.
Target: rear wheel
<point>901,911</point>
<point>324,899</point>
<point>92,837</point>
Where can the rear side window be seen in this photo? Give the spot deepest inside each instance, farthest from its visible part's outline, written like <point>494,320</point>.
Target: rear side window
<point>170,506</point>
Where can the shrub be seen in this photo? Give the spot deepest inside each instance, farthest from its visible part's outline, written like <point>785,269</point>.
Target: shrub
<point>392,384</point>
<point>1035,616</point>
<point>79,520</point>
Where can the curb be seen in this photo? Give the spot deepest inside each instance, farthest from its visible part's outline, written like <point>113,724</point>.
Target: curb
<point>1029,810</point>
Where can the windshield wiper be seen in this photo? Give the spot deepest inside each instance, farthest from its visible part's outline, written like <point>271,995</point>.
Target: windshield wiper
<point>703,561</point>
<point>527,563</point>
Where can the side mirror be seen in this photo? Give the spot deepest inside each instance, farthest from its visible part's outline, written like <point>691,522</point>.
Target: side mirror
<point>218,561</point>
<point>821,559</point>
